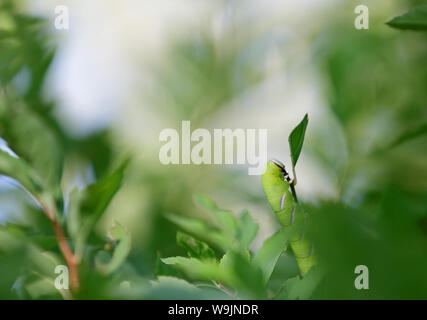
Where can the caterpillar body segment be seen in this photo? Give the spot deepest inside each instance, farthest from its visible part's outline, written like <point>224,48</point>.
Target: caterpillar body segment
<point>276,185</point>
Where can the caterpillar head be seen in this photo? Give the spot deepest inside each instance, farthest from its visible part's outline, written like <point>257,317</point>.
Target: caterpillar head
<point>278,168</point>
<point>278,164</point>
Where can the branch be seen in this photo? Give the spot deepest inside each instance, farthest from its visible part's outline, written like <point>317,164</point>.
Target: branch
<point>69,256</point>
<point>294,193</point>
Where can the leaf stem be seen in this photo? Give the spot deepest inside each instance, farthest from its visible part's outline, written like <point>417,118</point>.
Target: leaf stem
<point>224,289</point>
<point>294,193</point>
<point>293,184</point>
<point>70,258</point>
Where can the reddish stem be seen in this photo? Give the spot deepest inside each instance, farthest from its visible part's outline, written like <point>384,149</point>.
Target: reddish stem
<point>69,256</point>
<point>65,248</point>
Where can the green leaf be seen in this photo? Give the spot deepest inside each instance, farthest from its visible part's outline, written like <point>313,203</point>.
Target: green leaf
<point>234,271</point>
<point>42,287</point>
<point>162,269</point>
<point>301,288</point>
<point>121,250</point>
<point>39,72</point>
<point>93,202</point>
<point>18,169</point>
<point>201,230</point>
<point>18,255</point>
<point>98,150</point>
<point>243,276</point>
<point>296,139</point>
<point>409,134</point>
<point>197,269</point>
<point>34,141</point>
<point>227,260</point>
<point>166,288</point>
<point>33,235</point>
<point>225,219</point>
<point>270,252</point>
<point>174,282</point>
<point>247,230</point>
<point>194,247</point>
<point>235,233</point>
<point>413,20</point>
<point>98,196</point>
<point>72,214</point>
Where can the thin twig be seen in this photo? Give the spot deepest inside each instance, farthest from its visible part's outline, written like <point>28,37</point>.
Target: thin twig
<point>225,289</point>
<point>294,193</point>
<point>69,256</point>
<point>292,182</point>
<point>295,176</point>
<point>67,253</point>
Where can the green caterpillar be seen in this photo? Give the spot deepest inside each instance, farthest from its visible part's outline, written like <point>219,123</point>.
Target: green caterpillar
<point>276,184</point>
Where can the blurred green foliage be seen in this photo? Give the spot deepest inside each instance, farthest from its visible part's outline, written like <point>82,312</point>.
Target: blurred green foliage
<point>375,87</point>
